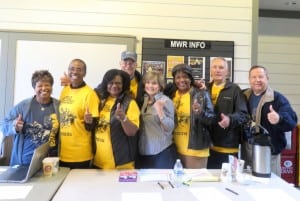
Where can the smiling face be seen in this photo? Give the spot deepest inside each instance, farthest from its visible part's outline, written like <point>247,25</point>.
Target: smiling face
<point>219,71</point>
<point>152,87</point>
<point>43,91</point>
<point>114,87</point>
<point>129,66</point>
<point>76,73</point>
<point>258,80</point>
<point>182,82</point>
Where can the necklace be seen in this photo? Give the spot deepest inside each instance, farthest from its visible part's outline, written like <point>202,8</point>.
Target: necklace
<point>42,107</point>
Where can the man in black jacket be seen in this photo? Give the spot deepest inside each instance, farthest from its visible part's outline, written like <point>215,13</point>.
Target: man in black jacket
<point>231,110</point>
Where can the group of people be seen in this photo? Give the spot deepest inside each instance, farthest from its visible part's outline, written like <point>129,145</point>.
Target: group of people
<point>134,121</point>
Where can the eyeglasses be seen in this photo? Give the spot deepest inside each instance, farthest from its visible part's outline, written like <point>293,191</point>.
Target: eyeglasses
<point>114,83</point>
<point>73,69</point>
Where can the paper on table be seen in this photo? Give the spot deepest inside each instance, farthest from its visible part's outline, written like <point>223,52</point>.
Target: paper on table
<point>208,193</point>
<point>263,194</point>
<point>154,175</point>
<point>199,175</point>
<point>14,192</point>
<point>260,179</point>
<point>141,196</point>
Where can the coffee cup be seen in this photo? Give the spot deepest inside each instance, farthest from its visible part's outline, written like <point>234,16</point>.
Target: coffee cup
<point>48,167</point>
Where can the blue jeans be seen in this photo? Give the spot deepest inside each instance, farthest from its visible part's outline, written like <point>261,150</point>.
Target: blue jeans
<point>163,160</point>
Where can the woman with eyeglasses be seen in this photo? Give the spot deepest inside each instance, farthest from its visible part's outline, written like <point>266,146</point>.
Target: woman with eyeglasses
<point>116,130</point>
<point>77,100</point>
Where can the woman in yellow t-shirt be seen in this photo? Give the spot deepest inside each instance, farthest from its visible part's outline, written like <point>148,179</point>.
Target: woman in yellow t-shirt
<point>194,114</point>
<point>116,139</point>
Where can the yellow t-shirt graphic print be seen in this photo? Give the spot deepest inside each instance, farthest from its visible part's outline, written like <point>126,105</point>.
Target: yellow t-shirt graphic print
<point>182,105</point>
<point>104,157</point>
<point>76,144</point>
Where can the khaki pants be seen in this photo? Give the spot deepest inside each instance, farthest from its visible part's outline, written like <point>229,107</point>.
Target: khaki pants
<point>193,162</point>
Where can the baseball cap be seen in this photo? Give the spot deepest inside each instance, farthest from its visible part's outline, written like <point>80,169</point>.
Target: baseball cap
<point>128,55</point>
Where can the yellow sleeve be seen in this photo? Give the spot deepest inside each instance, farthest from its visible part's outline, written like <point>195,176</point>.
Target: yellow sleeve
<point>133,113</point>
<point>93,103</point>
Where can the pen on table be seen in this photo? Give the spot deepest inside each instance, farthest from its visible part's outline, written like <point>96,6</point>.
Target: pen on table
<point>171,184</point>
<point>161,186</point>
<point>232,191</point>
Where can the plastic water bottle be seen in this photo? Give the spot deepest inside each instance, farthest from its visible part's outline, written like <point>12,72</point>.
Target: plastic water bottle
<point>178,173</point>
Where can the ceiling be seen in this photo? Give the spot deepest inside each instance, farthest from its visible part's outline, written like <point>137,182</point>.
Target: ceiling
<point>285,5</point>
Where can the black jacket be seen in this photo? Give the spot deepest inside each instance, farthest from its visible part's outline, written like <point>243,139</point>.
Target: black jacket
<point>124,147</point>
<point>231,102</point>
<point>199,134</point>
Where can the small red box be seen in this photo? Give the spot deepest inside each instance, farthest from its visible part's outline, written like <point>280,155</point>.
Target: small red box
<point>288,168</point>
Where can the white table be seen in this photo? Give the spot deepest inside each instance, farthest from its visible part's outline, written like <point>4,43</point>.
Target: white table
<point>95,184</point>
<point>38,188</point>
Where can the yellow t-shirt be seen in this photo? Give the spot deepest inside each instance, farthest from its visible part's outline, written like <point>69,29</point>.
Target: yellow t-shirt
<point>215,92</point>
<point>76,144</point>
<point>133,87</point>
<point>182,130</point>
<point>104,157</point>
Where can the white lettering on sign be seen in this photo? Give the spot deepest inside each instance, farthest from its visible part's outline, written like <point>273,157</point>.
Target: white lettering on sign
<point>285,170</point>
<point>179,44</point>
<point>197,44</point>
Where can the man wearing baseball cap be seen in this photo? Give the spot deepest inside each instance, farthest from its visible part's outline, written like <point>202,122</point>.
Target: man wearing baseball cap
<point>128,64</point>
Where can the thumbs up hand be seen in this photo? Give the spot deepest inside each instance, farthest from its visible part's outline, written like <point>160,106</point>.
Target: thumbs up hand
<point>273,116</point>
<point>19,123</point>
<point>65,80</point>
<point>88,116</point>
<point>120,113</point>
<point>196,106</point>
<point>225,121</point>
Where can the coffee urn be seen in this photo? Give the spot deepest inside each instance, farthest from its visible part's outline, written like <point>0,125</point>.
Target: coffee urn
<point>261,152</point>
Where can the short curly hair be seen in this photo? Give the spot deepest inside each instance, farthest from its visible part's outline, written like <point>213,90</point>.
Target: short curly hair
<point>41,75</point>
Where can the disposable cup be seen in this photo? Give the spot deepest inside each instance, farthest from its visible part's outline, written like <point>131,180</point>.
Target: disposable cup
<point>48,167</point>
